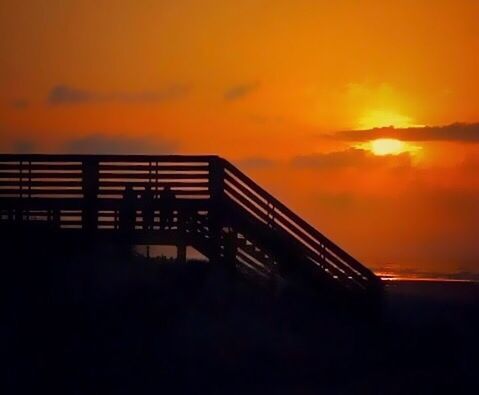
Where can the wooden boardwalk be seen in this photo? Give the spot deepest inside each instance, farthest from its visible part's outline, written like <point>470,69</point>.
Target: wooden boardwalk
<point>199,201</point>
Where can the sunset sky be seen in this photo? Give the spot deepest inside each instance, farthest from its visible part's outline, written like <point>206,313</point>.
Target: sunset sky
<point>362,116</point>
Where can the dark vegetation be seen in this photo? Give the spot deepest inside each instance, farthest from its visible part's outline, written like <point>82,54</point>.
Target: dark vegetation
<point>84,319</point>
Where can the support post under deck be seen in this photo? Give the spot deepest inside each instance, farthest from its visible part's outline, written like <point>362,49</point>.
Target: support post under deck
<point>181,253</point>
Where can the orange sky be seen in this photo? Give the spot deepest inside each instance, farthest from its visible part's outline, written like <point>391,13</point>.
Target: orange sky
<point>280,87</point>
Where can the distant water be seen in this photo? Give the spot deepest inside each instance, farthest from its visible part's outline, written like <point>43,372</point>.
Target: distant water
<point>462,277</point>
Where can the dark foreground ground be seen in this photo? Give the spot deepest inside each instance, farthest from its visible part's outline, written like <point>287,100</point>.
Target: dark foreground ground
<point>97,324</point>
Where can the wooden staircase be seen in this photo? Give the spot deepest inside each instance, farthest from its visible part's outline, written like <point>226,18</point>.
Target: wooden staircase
<point>217,209</point>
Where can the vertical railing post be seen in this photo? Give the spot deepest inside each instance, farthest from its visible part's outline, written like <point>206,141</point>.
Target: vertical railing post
<point>215,208</point>
<point>21,208</point>
<point>90,181</point>
<point>29,196</point>
<point>216,180</point>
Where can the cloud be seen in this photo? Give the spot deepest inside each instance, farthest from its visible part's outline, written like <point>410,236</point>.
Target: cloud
<point>95,143</point>
<point>460,132</point>
<point>65,94</point>
<point>349,158</point>
<point>24,147</point>
<point>239,91</point>
<point>19,104</point>
<point>101,144</point>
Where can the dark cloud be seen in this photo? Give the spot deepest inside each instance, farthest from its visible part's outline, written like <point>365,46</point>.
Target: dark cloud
<point>101,144</point>
<point>239,91</point>
<point>461,132</point>
<point>64,94</point>
<point>19,104</point>
<point>352,157</point>
<point>24,147</point>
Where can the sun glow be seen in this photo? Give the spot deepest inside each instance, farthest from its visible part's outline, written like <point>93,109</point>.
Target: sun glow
<point>385,146</point>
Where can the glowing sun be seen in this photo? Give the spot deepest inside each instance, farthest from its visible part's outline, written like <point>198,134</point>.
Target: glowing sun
<point>385,146</point>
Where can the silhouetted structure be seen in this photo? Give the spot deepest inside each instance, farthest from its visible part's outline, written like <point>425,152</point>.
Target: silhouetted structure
<point>167,205</point>
<point>201,201</point>
<point>128,211</point>
<point>148,208</point>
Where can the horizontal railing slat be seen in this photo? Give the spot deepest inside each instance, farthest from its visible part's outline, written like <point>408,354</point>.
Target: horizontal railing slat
<point>159,177</point>
<point>35,192</point>
<point>41,166</point>
<point>154,168</point>
<point>161,185</point>
<point>51,183</point>
<point>24,177</point>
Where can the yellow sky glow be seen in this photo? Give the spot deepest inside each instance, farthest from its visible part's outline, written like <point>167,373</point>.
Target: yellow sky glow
<point>384,118</point>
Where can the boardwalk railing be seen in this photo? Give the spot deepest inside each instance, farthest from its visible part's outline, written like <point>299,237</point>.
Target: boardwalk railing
<point>318,249</point>
<point>85,192</point>
<point>71,185</point>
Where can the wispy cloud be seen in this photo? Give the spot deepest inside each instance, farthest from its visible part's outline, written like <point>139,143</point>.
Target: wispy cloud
<point>19,104</point>
<point>99,143</point>
<point>460,132</point>
<point>239,91</point>
<point>24,147</point>
<point>352,157</point>
<point>65,94</point>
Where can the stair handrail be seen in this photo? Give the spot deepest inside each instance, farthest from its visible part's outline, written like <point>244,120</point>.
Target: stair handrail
<point>304,227</point>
